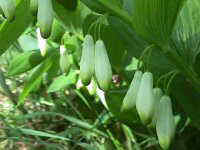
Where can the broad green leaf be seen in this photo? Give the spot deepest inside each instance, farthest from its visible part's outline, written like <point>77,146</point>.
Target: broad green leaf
<point>10,31</point>
<point>114,47</point>
<point>128,5</point>
<point>99,7</point>
<point>94,5</point>
<point>113,7</point>
<point>63,81</point>
<point>114,101</point>
<point>35,78</point>
<point>154,20</point>
<point>187,45</point>
<point>123,44</point>
<point>188,29</point>
<point>134,46</point>
<point>187,97</point>
<point>188,20</point>
<point>71,19</point>
<point>70,5</point>
<point>32,42</point>
<point>24,62</point>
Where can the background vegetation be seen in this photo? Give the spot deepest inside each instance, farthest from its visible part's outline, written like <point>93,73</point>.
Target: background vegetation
<point>43,108</point>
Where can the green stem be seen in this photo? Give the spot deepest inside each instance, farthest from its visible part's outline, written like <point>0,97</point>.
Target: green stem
<point>170,81</point>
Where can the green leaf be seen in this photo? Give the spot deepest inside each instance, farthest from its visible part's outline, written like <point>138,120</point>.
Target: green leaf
<point>24,62</point>
<point>187,97</point>
<point>114,46</point>
<point>54,70</point>
<point>82,97</point>
<point>69,4</point>
<point>32,42</point>
<point>35,78</point>
<point>114,101</point>
<point>10,31</point>
<point>57,31</point>
<point>130,138</point>
<point>71,43</point>
<point>188,29</point>
<point>63,81</point>
<point>99,7</point>
<point>71,19</point>
<point>154,20</point>
<point>41,134</point>
<point>113,7</point>
<point>3,84</point>
<point>94,5</point>
<point>188,19</point>
<point>134,46</point>
<point>128,133</point>
<point>128,5</point>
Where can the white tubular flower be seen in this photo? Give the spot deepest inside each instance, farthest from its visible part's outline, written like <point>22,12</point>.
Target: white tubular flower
<point>42,43</point>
